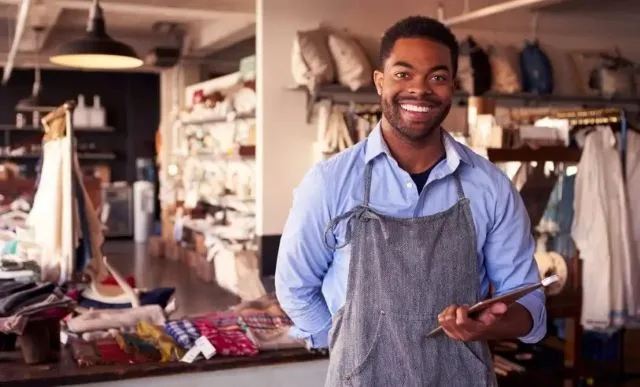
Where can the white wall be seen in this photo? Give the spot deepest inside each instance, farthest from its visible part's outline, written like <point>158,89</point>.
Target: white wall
<point>284,154</point>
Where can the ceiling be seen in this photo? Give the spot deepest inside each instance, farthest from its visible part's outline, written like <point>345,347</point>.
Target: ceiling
<point>210,25</point>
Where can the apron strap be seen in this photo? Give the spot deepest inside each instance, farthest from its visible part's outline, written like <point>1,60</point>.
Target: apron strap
<point>367,183</point>
<point>458,185</point>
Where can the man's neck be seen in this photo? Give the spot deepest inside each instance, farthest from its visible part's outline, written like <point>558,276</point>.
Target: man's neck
<point>414,157</point>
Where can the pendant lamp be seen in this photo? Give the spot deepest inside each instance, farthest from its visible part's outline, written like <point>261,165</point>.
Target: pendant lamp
<point>34,102</point>
<point>96,50</point>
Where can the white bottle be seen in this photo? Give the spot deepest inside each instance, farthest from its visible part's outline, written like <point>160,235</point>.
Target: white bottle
<point>97,114</point>
<point>81,114</point>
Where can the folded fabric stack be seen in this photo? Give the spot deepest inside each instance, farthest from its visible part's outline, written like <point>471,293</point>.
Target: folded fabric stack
<point>267,324</point>
<point>142,334</point>
<point>21,303</point>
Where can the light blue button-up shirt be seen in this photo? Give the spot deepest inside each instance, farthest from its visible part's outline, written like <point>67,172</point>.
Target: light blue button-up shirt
<point>311,279</point>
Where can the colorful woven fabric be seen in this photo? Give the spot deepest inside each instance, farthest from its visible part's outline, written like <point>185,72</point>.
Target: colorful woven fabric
<point>265,321</point>
<point>183,332</point>
<point>156,336</point>
<point>222,320</point>
<point>134,345</point>
<point>101,352</point>
<point>228,341</point>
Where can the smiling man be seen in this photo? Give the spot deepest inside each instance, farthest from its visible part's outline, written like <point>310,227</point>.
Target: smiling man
<point>404,231</point>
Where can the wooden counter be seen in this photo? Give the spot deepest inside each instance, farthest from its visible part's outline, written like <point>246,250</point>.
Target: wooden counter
<point>14,373</point>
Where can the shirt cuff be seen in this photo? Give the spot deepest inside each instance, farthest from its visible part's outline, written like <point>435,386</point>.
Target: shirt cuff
<point>535,304</point>
<point>318,340</point>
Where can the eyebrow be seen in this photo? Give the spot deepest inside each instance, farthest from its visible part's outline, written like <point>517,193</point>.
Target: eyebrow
<point>401,63</point>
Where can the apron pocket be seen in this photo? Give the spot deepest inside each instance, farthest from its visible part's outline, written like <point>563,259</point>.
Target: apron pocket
<point>336,324</point>
<point>362,355</point>
<point>478,358</point>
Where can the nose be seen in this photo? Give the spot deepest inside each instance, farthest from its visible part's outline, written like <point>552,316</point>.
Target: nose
<point>419,87</point>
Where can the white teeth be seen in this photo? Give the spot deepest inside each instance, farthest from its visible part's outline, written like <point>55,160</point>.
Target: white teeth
<point>414,108</point>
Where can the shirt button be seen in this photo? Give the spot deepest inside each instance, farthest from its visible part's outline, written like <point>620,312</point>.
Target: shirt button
<point>409,185</point>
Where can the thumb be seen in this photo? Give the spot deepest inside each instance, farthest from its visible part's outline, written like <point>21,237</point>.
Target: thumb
<point>494,312</point>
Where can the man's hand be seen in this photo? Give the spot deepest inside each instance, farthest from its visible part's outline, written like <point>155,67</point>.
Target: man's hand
<point>457,324</point>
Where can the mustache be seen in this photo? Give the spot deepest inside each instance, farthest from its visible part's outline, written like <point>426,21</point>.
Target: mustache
<point>423,99</point>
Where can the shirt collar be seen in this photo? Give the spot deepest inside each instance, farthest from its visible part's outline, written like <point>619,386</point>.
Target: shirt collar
<point>454,151</point>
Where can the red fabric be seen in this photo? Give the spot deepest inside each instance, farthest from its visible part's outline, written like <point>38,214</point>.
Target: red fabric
<point>228,342</point>
<point>131,280</point>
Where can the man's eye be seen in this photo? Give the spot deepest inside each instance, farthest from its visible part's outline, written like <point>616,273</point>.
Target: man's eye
<point>401,75</point>
<point>439,78</point>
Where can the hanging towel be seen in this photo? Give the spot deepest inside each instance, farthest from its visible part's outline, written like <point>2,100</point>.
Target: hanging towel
<point>601,232</point>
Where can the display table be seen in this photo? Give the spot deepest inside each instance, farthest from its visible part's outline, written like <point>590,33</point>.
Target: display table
<point>267,369</point>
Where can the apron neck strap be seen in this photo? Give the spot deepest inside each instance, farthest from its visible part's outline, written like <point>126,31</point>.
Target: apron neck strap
<point>367,182</point>
<point>456,177</point>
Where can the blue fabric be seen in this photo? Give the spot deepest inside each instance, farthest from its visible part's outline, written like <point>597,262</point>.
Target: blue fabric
<point>560,211</point>
<point>311,279</point>
<point>10,248</point>
<point>536,69</point>
<point>159,296</point>
<point>83,251</point>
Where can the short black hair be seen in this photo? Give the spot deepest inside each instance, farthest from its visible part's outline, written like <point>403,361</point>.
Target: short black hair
<point>419,27</point>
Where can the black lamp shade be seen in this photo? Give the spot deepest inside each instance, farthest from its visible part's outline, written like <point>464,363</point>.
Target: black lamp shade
<point>96,50</point>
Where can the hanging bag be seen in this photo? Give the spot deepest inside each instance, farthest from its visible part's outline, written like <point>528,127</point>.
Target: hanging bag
<point>537,74</point>
<point>474,68</point>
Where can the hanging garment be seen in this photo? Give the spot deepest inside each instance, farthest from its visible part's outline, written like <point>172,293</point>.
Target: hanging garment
<point>395,290</point>
<point>601,233</point>
<point>45,217</point>
<point>633,190</point>
<point>51,217</point>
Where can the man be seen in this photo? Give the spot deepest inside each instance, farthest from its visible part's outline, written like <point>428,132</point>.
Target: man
<point>404,231</point>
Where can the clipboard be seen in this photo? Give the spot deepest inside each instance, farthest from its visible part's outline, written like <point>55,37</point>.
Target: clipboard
<point>507,298</point>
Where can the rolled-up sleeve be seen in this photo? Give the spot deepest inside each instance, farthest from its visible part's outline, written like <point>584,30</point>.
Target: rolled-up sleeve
<point>509,256</point>
<point>303,261</point>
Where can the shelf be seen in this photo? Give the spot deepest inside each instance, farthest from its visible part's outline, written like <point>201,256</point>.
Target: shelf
<point>219,120</point>
<point>81,156</point>
<point>542,154</point>
<point>28,128</point>
<point>368,95</point>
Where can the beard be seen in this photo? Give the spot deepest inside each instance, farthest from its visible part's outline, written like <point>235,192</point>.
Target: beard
<point>415,127</point>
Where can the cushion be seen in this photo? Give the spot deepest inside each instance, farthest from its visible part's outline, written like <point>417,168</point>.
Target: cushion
<point>353,67</point>
<point>311,61</point>
<point>505,69</point>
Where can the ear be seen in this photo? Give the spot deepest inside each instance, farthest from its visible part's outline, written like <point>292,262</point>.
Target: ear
<point>378,80</point>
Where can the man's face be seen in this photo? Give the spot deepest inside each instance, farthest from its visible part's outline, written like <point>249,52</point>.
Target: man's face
<point>416,85</point>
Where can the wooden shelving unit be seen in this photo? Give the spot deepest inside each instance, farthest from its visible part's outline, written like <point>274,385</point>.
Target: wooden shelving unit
<point>557,154</point>
<point>218,120</point>
<point>28,128</point>
<point>368,95</point>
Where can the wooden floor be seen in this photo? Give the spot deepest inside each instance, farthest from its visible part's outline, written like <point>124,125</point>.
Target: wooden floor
<point>193,296</point>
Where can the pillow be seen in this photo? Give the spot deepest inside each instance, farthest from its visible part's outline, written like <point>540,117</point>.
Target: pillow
<point>505,69</point>
<point>311,62</point>
<point>353,67</point>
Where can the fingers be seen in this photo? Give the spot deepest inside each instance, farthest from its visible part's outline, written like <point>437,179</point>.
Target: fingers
<point>457,324</point>
<point>492,314</point>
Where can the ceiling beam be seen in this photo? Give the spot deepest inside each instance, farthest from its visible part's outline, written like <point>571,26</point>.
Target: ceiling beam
<point>209,37</point>
<point>160,12</point>
<point>21,26</point>
<point>42,16</point>
<point>501,7</point>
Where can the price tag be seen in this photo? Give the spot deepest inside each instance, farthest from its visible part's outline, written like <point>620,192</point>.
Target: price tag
<point>64,338</point>
<point>208,350</point>
<point>191,199</point>
<point>191,355</point>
